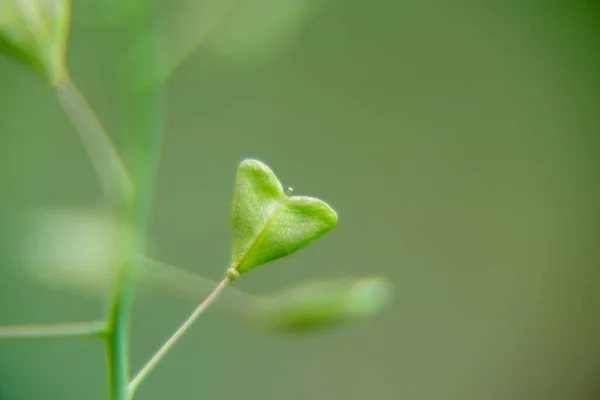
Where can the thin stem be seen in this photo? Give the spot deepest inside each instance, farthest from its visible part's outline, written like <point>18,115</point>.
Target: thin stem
<point>54,331</point>
<point>117,343</point>
<point>98,145</point>
<point>141,112</point>
<point>176,336</point>
<point>186,285</point>
<point>118,185</point>
<point>141,124</point>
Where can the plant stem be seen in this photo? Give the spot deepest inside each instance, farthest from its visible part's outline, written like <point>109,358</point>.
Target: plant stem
<point>189,286</point>
<point>118,185</point>
<point>178,333</point>
<point>54,331</point>
<point>141,124</point>
<point>98,145</point>
<point>117,343</point>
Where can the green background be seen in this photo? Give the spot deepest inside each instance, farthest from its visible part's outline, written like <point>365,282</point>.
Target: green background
<point>458,142</point>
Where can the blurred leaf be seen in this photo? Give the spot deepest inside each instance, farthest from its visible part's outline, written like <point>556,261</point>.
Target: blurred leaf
<point>257,30</point>
<point>105,12</point>
<point>182,30</point>
<point>77,250</point>
<point>322,304</point>
<point>35,33</point>
<point>268,224</point>
<point>242,32</point>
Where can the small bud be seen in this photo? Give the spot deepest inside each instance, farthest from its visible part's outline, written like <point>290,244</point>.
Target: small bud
<point>35,34</point>
<point>232,274</point>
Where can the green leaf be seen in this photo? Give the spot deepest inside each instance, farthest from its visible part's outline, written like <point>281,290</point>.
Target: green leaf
<point>182,29</point>
<point>267,223</point>
<point>79,250</point>
<point>255,32</point>
<point>106,12</point>
<point>35,33</point>
<point>322,304</point>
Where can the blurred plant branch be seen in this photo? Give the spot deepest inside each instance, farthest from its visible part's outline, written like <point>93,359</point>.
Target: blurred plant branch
<point>64,330</point>
<point>113,174</point>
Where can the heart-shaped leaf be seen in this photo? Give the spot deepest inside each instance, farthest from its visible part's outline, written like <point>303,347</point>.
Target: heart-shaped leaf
<point>269,224</point>
<point>322,304</point>
<point>35,33</point>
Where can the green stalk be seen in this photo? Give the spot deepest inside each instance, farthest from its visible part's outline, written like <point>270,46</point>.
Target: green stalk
<point>117,343</point>
<point>177,335</point>
<point>142,127</point>
<point>188,286</point>
<point>116,182</point>
<point>113,175</point>
<point>66,330</point>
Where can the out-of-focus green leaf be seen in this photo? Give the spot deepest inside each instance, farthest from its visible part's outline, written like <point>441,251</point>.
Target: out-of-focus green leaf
<point>322,304</point>
<point>233,31</point>
<point>105,12</point>
<point>80,250</point>
<point>182,30</point>
<point>35,33</point>
<point>255,31</point>
<point>267,223</point>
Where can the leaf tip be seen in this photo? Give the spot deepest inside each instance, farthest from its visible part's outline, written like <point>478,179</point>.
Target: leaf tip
<point>330,215</point>
<point>318,208</point>
<point>370,296</point>
<point>254,165</point>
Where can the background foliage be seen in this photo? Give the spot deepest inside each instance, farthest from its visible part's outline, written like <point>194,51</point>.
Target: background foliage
<point>458,142</point>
